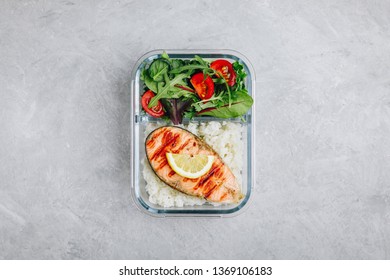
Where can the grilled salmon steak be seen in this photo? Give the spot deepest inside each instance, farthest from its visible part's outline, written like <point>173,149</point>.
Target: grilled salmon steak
<point>217,185</point>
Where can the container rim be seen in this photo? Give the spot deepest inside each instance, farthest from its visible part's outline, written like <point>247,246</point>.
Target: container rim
<point>205,53</point>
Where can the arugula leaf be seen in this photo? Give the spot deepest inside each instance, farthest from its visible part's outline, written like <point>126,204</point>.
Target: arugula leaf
<point>199,106</point>
<point>189,114</point>
<point>219,81</point>
<point>188,67</point>
<point>201,61</point>
<point>157,70</point>
<point>164,92</point>
<point>237,108</point>
<point>240,76</point>
<point>169,79</point>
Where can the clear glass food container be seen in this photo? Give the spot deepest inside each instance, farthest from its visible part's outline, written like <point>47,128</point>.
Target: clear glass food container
<point>139,122</point>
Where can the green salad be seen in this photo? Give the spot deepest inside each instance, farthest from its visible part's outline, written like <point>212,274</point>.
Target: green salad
<point>177,88</point>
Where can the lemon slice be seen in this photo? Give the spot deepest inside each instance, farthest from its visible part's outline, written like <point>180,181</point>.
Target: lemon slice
<point>190,166</point>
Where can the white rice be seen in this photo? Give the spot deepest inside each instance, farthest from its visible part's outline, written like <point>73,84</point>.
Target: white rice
<point>225,138</point>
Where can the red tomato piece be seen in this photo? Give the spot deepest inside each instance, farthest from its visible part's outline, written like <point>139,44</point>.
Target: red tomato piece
<point>157,110</point>
<point>226,69</point>
<point>204,86</point>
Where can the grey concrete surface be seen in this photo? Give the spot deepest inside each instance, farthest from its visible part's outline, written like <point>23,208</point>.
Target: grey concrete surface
<point>323,129</point>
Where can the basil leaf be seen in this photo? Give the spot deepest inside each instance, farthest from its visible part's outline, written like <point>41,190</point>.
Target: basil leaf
<point>238,107</point>
<point>157,70</point>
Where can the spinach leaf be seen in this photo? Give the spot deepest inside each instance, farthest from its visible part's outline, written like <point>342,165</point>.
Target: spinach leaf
<point>169,79</point>
<point>239,107</point>
<point>176,63</point>
<point>152,85</point>
<point>157,70</point>
<point>164,55</point>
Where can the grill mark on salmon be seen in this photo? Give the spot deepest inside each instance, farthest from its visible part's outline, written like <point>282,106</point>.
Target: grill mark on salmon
<point>217,185</point>
<point>210,191</point>
<point>189,179</point>
<point>162,164</point>
<point>163,147</point>
<point>223,196</point>
<point>158,133</point>
<point>206,177</point>
<point>181,147</point>
<point>151,143</point>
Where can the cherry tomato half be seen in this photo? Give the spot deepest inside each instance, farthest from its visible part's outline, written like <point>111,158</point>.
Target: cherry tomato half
<point>226,69</point>
<point>204,87</point>
<point>157,110</point>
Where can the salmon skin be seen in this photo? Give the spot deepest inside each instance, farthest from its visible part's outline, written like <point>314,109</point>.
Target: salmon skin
<point>217,185</point>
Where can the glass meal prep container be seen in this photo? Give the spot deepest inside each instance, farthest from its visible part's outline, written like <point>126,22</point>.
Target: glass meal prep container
<point>140,121</point>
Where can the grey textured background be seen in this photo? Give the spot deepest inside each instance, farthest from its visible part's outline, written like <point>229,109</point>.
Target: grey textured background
<point>323,135</point>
